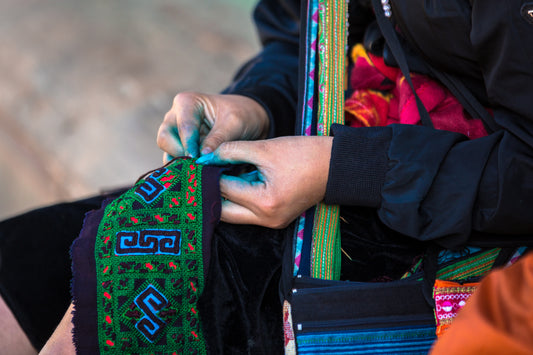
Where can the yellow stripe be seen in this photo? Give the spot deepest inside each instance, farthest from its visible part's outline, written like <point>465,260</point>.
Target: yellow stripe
<point>325,258</point>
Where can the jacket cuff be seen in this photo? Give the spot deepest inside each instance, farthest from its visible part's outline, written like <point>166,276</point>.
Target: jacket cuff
<point>358,165</point>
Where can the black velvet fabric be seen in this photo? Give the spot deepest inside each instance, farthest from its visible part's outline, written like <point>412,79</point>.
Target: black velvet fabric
<point>240,308</point>
<point>35,264</point>
<point>371,250</point>
<point>85,316</point>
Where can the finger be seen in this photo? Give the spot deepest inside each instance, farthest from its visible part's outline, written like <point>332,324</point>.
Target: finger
<point>238,152</point>
<point>190,139</point>
<point>189,115</point>
<point>167,157</point>
<point>242,152</point>
<point>236,214</point>
<point>253,175</point>
<point>242,192</point>
<point>204,131</point>
<point>168,137</point>
<point>218,135</point>
<point>189,133</point>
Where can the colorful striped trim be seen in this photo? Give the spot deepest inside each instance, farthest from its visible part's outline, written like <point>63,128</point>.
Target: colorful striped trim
<point>307,111</point>
<point>412,340</point>
<point>450,297</point>
<point>325,259</point>
<point>476,266</point>
<point>332,64</point>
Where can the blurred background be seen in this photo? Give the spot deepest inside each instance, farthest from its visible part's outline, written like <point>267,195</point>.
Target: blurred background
<point>84,86</point>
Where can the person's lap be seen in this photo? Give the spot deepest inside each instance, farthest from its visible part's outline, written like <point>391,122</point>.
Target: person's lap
<point>35,265</point>
<point>35,277</point>
<point>242,293</point>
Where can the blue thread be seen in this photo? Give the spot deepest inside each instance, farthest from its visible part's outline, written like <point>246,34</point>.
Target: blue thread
<point>148,242</point>
<point>151,302</point>
<point>151,188</point>
<point>205,159</point>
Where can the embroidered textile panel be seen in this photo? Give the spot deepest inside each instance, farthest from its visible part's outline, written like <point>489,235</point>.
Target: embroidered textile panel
<point>332,39</point>
<point>149,265</point>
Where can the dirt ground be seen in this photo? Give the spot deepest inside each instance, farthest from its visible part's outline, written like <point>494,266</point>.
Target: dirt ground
<point>85,84</point>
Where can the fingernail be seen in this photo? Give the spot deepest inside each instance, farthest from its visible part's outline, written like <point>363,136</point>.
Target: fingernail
<point>206,150</point>
<point>205,159</point>
<point>192,153</point>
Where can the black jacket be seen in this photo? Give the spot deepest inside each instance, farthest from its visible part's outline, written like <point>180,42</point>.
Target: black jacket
<point>425,183</point>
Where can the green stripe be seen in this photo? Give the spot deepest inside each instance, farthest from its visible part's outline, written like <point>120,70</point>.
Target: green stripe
<point>478,265</point>
<point>326,247</point>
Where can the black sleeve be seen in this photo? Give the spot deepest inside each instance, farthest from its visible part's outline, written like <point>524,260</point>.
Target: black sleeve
<point>271,77</point>
<point>437,185</point>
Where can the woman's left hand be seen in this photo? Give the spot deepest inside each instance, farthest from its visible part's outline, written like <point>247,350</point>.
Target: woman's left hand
<point>292,174</point>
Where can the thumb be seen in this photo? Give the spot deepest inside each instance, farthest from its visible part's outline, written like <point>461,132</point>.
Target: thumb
<point>216,136</point>
<point>234,152</point>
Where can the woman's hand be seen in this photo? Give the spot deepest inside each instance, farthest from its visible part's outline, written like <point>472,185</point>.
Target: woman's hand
<point>199,123</point>
<point>292,174</point>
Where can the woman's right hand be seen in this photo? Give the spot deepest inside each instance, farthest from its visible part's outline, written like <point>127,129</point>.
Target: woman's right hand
<point>198,123</point>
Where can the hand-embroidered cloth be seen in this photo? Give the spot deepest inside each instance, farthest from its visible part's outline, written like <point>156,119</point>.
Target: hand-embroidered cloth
<point>140,265</point>
<point>450,297</point>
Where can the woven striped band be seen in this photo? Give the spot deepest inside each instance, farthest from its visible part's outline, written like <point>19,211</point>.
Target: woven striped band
<point>326,248</point>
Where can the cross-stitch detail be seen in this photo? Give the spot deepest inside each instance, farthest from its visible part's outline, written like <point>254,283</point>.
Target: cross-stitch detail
<point>449,297</point>
<point>149,266</point>
<point>288,332</point>
<point>151,302</point>
<point>147,242</point>
<point>151,188</point>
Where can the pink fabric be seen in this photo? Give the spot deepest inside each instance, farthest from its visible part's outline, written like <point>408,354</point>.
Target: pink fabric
<point>388,99</point>
<point>449,297</point>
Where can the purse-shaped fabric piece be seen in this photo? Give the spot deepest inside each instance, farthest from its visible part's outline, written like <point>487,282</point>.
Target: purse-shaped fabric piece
<point>343,317</point>
<point>361,318</point>
<point>146,254</point>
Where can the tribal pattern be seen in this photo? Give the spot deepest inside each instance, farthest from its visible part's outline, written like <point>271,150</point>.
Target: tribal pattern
<point>450,297</point>
<point>149,265</point>
<point>332,40</point>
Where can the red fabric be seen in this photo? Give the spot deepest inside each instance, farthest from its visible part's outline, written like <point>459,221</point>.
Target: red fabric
<point>381,96</point>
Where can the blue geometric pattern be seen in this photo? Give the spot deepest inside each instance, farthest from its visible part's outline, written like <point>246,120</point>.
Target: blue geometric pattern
<point>151,188</point>
<point>148,242</point>
<point>151,302</point>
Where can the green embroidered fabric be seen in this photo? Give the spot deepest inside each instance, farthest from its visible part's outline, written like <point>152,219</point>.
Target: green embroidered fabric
<point>149,265</point>
<point>476,265</point>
